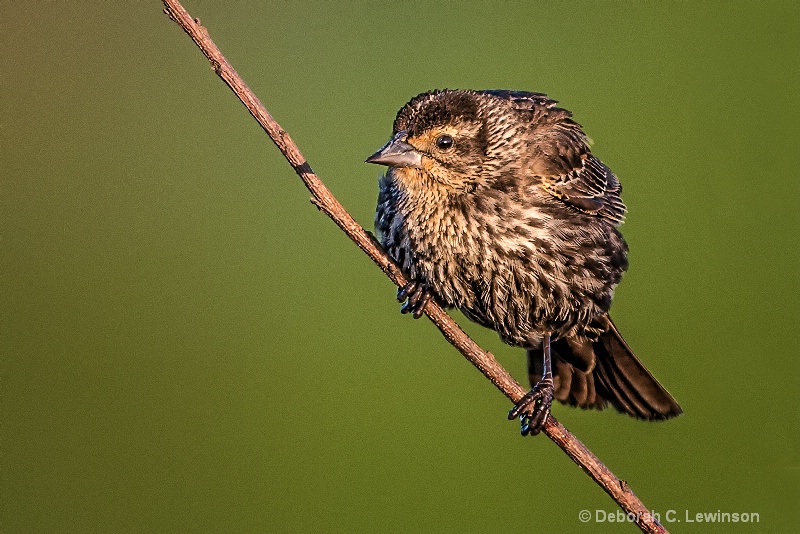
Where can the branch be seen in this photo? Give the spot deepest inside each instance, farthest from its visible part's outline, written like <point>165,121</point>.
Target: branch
<point>322,198</point>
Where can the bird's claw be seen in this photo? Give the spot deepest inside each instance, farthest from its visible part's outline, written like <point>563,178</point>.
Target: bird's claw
<point>533,408</point>
<point>414,296</point>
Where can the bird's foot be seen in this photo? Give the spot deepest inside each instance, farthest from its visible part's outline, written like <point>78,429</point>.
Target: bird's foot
<point>414,295</point>
<point>533,408</point>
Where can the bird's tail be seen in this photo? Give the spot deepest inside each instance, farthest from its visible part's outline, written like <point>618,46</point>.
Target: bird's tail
<point>593,374</point>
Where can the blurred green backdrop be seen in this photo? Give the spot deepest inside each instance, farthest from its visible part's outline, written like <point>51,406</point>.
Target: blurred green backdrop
<point>189,346</point>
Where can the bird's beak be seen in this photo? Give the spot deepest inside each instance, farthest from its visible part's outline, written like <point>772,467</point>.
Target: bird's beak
<point>397,153</point>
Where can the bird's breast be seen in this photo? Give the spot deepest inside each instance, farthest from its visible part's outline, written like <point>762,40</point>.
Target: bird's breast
<point>512,266</point>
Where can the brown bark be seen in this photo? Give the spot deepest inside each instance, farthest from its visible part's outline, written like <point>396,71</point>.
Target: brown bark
<point>322,197</point>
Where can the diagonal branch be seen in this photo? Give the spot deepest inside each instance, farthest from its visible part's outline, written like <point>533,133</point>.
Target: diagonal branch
<point>485,362</point>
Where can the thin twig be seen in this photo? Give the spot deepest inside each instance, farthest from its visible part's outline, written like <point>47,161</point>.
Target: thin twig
<point>322,198</point>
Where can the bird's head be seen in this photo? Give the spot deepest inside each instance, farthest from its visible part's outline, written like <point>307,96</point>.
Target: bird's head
<point>453,141</point>
<point>439,142</point>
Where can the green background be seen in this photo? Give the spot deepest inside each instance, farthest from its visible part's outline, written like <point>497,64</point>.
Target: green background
<point>188,345</point>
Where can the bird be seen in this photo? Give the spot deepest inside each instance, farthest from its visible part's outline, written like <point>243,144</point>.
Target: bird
<point>494,204</point>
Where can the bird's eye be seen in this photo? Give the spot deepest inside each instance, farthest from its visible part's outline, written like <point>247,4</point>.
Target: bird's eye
<point>444,142</point>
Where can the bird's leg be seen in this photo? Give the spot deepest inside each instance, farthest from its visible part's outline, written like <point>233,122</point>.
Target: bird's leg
<point>534,407</point>
<point>416,295</point>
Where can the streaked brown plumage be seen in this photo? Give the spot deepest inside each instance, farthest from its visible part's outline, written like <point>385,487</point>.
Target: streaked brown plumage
<point>494,204</point>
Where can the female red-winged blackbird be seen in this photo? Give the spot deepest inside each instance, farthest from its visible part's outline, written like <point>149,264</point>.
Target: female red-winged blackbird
<point>494,204</point>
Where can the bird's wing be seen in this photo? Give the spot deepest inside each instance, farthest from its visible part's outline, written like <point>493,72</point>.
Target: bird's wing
<point>566,168</point>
